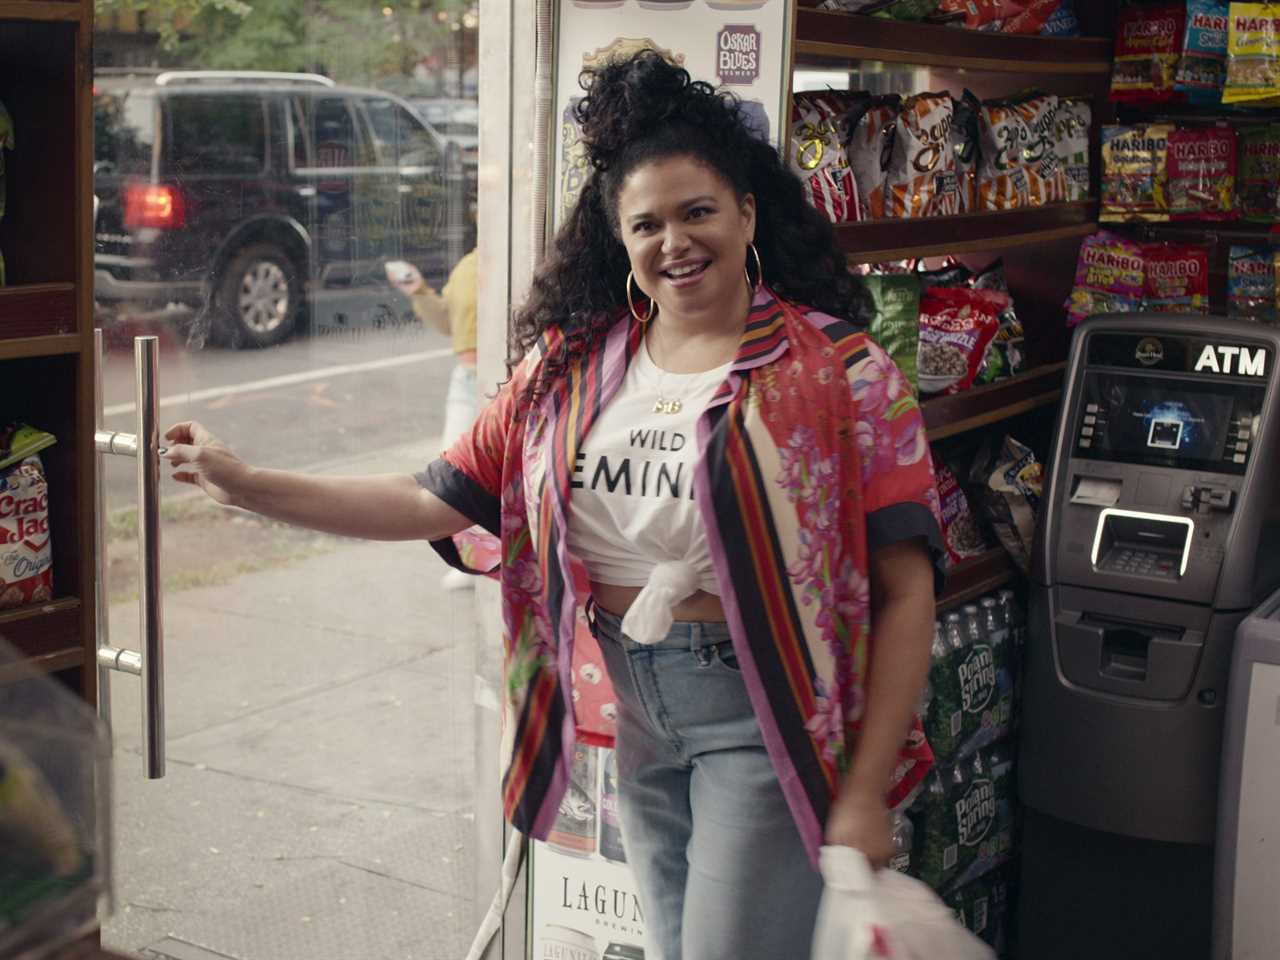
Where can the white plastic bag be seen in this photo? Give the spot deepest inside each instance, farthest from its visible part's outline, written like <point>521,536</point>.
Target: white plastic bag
<point>866,914</point>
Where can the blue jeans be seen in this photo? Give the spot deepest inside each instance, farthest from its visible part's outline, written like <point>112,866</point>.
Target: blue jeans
<point>721,870</point>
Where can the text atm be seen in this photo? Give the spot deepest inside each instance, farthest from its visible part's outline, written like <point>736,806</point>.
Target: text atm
<point>1158,533</point>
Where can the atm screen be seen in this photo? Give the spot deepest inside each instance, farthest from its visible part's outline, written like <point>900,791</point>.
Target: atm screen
<point>1192,425</point>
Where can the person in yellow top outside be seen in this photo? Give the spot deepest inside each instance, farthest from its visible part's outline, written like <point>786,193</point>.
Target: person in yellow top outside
<point>451,311</point>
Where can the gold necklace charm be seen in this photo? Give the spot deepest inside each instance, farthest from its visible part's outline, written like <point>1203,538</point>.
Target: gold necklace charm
<point>667,406</point>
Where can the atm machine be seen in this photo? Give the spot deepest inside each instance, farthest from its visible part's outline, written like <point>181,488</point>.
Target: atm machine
<point>1159,532</point>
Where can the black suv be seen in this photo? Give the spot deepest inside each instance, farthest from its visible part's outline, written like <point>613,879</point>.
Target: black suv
<point>238,193</point>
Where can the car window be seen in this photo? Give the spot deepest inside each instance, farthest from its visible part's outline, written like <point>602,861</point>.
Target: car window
<point>401,138</point>
<point>332,139</point>
<point>215,135</point>
<point>124,132</point>
<point>299,142</point>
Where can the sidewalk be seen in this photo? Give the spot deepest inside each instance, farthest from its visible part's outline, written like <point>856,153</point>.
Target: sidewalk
<point>318,799</point>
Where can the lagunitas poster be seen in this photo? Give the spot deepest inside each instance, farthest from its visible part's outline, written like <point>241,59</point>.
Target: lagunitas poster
<point>735,45</point>
<point>583,899</point>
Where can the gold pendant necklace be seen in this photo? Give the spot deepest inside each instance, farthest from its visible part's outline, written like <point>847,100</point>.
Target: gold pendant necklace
<point>662,404</point>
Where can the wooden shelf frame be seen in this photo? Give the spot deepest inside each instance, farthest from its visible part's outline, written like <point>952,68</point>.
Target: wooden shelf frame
<point>37,310</point>
<point>48,635</point>
<point>977,577</point>
<point>823,37</point>
<point>45,11</point>
<point>978,407</point>
<point>876,241</point>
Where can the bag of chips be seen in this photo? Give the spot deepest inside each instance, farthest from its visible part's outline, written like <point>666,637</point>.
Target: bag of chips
<point>1012,481</point>
<point>960,530</point>
<point>956,326</point>
<point>871,123</point>
<point>26,559</point>
<point>818,156</point>
<point>1202,173</point>
<point>1109,277</point>
<point>895,325</point>
<point>1063,23</point>
<point>921,179</point>
<point>1175,278</point>
<point>1002,175</point>
<point>1258,183</point>
<point>1008,347</point>
<point>1251,284</point>
<point>1148,48</point>
<point>971,14</point>
<point>951,275</point>
<point>1071,143</point>
<point>964,144</point>
<point>1046,178</point>
<point>1033,17</point>
<point>907,9</point>
<point>1202,68</point>
<point>1253,54</point>
<point>1135,172</point>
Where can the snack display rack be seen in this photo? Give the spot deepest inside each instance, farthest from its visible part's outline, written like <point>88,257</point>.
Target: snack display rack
<point>1038,244</point>
<point>46,311</point>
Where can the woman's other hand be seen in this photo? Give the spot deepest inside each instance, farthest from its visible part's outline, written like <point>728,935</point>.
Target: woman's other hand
<point>208,463</point>
<point>862,821</point>
<point>404,276</point>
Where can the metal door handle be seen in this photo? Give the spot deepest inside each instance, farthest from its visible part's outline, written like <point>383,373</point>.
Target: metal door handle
<point>144,446</point>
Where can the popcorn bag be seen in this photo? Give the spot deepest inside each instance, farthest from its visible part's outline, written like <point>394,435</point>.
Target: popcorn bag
<point>922,178</point>
<point>818,155</point>
<point>871,123</point>
<point>26,561</point>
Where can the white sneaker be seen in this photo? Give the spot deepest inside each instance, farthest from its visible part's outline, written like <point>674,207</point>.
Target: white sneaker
<point>456,580</point>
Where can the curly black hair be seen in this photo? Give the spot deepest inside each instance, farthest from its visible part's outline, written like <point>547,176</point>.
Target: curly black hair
<point>641,109</point>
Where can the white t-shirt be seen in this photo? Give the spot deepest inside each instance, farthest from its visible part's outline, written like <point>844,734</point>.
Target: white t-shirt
<point>632,496</point>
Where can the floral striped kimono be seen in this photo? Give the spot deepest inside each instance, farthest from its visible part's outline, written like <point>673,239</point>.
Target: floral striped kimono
<point>811,453</point>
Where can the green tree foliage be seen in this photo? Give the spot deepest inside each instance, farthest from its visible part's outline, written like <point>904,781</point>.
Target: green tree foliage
<point>348,40</point>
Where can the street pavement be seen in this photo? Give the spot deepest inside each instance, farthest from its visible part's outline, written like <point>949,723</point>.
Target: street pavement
<point>321,785</point>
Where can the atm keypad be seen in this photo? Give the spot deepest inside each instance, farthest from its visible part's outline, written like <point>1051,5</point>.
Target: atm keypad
<point>1146,563</point>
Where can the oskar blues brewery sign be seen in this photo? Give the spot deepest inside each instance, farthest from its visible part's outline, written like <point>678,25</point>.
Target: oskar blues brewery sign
<point>975,813</point>
<point>738,54</point>
<point>977,678</point>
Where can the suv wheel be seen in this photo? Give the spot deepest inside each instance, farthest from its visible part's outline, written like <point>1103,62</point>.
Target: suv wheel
<point>258,297</point>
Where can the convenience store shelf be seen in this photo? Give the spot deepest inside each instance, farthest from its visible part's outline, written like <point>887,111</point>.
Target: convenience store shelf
<point>987,572</point>
<point>48,634</point>
<point>949,415</point>
<point>874,241</point>
<point>36,311</point>
<point>824,36</point>
<point>47,11</point>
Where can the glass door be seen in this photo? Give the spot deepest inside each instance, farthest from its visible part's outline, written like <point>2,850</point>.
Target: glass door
<point>270,191</point>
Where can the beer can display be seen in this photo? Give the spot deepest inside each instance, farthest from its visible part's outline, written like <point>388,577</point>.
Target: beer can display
<point>574,830</point>
<point>610,826</point>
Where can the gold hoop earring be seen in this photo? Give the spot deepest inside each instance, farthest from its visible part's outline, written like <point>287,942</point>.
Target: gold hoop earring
<point>632,304</point>
<point>754,287</point>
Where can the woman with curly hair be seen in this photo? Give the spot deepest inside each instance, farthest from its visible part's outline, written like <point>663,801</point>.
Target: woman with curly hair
<point>700,446</point>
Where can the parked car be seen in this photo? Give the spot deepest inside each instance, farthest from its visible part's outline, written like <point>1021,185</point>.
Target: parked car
<point>238,193</point>
<point>455,121</point>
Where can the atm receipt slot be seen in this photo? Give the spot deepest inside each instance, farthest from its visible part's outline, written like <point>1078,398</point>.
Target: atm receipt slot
<point>1096,491</point>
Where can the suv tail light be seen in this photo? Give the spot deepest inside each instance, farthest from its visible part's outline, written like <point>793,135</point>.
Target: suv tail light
<point>153,205</point>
